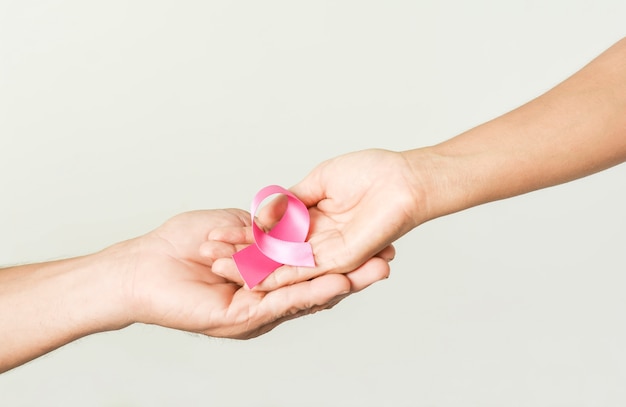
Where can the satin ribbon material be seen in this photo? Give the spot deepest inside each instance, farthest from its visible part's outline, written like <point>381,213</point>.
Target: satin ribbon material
<point>284,244</point>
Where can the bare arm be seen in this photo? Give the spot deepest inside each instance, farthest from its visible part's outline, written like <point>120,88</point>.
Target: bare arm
<point>363,201</point>
<point>576,129</point>
<point>165,278</point>
<point>44,306</point>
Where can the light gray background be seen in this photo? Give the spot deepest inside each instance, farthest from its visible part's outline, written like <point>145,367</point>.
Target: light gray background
<point>117,115</point>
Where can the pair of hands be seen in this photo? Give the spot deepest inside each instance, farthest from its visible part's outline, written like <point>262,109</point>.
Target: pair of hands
<point>361,202</point>
<point>183,276</point>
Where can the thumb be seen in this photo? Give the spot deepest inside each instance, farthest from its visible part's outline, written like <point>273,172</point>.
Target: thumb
<point>311,190</point>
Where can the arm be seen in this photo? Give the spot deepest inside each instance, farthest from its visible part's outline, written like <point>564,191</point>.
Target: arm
<point>43,306</point>
<point>163,278</point>
<point>576,129</point>
<point>363,201</point>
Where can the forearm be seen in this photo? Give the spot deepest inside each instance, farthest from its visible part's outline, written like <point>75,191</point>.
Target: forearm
<point>576,129</point>
<point>44,306</point>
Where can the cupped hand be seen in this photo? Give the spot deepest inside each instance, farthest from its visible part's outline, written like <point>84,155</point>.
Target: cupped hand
<point>170,282</point>
<point>359,204</point>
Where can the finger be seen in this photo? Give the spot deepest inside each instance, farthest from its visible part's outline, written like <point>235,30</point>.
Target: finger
<point>271,213</point>
<point>225,267</point>
<point>273,324</point>
<point>214,249</point>
<point>331,248</point>
<point>232,234</point>
<point>287,275</point>
<point>372,271</point>
<point>307,294</point>
<point>311,190</point>
<point>323,292</point>
<point>284,275</point>
<point>388,253</point>
<point>300,299</point>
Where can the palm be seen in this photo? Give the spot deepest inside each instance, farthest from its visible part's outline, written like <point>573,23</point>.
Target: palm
<point>360,212</point>
<point>359,204</point>
<point>174,285</point>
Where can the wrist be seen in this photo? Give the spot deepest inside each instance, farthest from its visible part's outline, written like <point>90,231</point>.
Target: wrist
<point>54,303</point>
<point>92,291</point>
<point>439,181</point>
<point>113,270</point>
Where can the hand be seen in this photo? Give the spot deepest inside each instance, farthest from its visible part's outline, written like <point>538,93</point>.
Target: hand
<point>171,282</point>
<point>164,278</point>
<point>359,204</point>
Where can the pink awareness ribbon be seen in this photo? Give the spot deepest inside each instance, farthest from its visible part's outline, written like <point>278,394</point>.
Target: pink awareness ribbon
<point>284,244</point>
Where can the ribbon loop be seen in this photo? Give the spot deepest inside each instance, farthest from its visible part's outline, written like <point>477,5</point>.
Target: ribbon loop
<point>284,244</point>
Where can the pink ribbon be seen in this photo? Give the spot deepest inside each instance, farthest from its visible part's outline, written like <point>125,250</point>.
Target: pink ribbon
<point>284,244</point>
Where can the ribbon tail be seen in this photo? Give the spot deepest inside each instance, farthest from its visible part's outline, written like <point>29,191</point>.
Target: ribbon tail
<point>253,265</point>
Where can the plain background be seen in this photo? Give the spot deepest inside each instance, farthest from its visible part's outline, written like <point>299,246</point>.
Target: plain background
<point>116,115</point>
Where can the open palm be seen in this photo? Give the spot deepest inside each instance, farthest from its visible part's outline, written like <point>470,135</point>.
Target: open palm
<point>359,204</point>
<point>172,283</point>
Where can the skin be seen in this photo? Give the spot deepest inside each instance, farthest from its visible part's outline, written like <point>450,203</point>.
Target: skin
<point>363,201</point>
<point>181,276</point>
<point>165,278</point>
